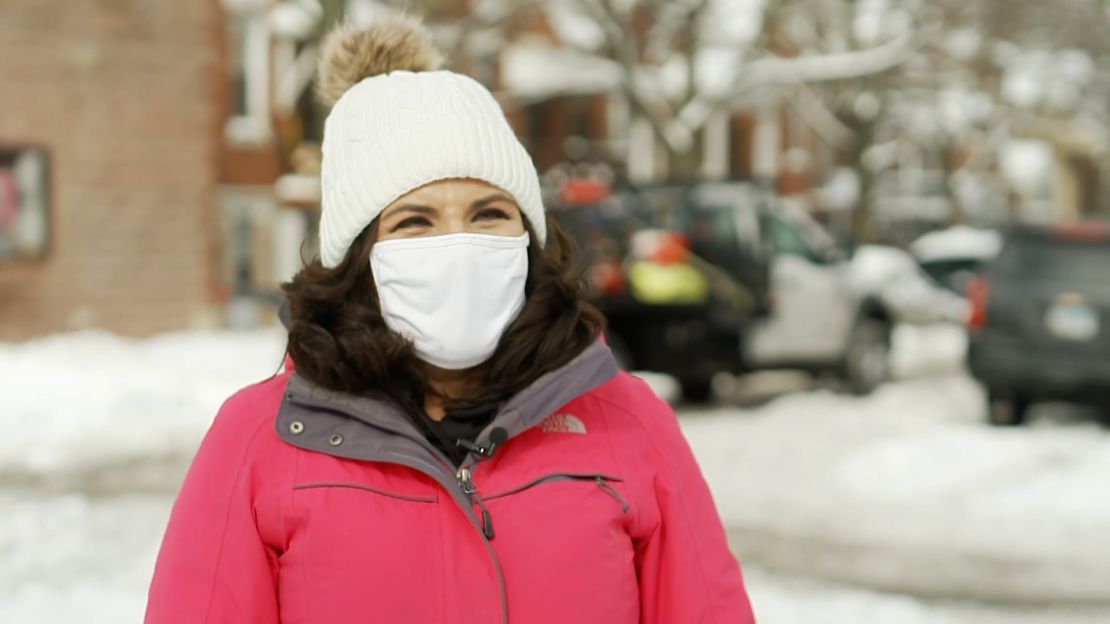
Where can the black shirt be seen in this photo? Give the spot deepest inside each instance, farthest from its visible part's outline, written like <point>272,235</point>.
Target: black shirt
<point>461,424</point>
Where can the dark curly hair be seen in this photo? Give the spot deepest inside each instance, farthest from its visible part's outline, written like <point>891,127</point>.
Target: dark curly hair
<point>338,338</point>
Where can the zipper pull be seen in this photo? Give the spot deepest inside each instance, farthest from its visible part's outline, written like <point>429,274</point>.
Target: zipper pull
<point>487,519</point>
<point>465,481</point>
<point>487,523</point>
<point>611,491</point>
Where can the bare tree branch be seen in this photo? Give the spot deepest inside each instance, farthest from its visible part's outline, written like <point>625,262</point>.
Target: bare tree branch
<point>798,70</point>
<point>826,67</point>
<point>693,41</point>
<point>823,121</point>
<point>620,38</point>
<point>614,34</point>
<point>676,123</point>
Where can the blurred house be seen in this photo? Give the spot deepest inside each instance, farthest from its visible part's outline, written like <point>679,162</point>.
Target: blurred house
<point>159,161</point>
<point>110,127</point>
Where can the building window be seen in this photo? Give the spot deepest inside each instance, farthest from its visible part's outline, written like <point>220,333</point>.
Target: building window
<point>23,203</point>
<point>249,46</point>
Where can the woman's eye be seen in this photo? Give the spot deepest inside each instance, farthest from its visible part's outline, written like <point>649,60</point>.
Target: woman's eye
<point>412,222</point>
<point>487,214</point>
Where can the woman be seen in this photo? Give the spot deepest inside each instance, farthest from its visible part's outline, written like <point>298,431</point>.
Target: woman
<point>456,443</point>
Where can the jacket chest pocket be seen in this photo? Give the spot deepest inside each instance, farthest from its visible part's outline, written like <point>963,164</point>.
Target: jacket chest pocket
<point>362,548</point>
<point>582,502</point>
<point>571,527</point>
<point>602,481</point>
<point>316,485</point>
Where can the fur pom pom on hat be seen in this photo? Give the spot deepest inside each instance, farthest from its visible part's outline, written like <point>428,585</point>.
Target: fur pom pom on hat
<point>398,123</point>
<point>349,55</point>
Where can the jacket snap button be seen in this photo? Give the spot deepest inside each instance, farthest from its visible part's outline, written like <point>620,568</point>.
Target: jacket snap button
<point>336,440</point>
<point>296,427</point>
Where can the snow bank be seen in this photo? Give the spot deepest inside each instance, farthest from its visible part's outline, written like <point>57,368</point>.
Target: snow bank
<point>75,401</point>
<point>78,559</point>
<point>920,351</point>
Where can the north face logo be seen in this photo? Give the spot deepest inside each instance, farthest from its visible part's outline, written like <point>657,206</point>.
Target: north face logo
<point>563,423</point>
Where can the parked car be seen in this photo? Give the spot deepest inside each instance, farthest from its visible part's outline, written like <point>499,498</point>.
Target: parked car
<point>680,271</point>
<point>834,308</point>
<point>819,318</point>
<point>1040,320</point>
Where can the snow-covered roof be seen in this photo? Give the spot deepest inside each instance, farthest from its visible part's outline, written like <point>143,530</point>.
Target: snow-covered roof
<point>536,70</point>
<point>298,188</point>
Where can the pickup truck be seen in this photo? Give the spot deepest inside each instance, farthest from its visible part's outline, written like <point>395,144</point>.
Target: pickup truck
<point>833,309</point>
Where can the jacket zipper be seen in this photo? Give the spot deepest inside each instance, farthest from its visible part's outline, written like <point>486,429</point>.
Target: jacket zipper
<point>466,482</point>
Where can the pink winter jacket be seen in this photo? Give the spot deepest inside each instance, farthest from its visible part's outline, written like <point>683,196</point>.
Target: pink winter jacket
<point>308,505</point>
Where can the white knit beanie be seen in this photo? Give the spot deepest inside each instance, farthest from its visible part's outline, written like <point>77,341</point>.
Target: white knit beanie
<point>397,125</point>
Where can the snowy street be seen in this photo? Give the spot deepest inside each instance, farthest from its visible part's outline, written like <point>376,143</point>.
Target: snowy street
<point>828,498</point>
<point>909,491</point>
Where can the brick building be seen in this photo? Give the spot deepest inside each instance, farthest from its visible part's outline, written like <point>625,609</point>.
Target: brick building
<point>110,127</point>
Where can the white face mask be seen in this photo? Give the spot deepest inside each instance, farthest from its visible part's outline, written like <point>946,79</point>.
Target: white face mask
<point>453,295</point>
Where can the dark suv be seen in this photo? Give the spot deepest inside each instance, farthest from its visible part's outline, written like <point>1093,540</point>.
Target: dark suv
<point>1040,320</point>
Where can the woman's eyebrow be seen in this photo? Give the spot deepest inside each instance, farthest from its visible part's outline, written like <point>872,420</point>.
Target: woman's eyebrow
<point>489,199</point>
<point>417,208</point>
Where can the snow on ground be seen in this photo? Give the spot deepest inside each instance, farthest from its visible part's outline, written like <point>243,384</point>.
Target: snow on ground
<point>914,473</point>
<point>73,558</point>
<point>909,467</point>
<point>781,599</point>
<point>923,351</point>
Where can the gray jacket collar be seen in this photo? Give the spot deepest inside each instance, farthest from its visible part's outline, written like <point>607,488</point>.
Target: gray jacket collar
<point>369,427</point>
